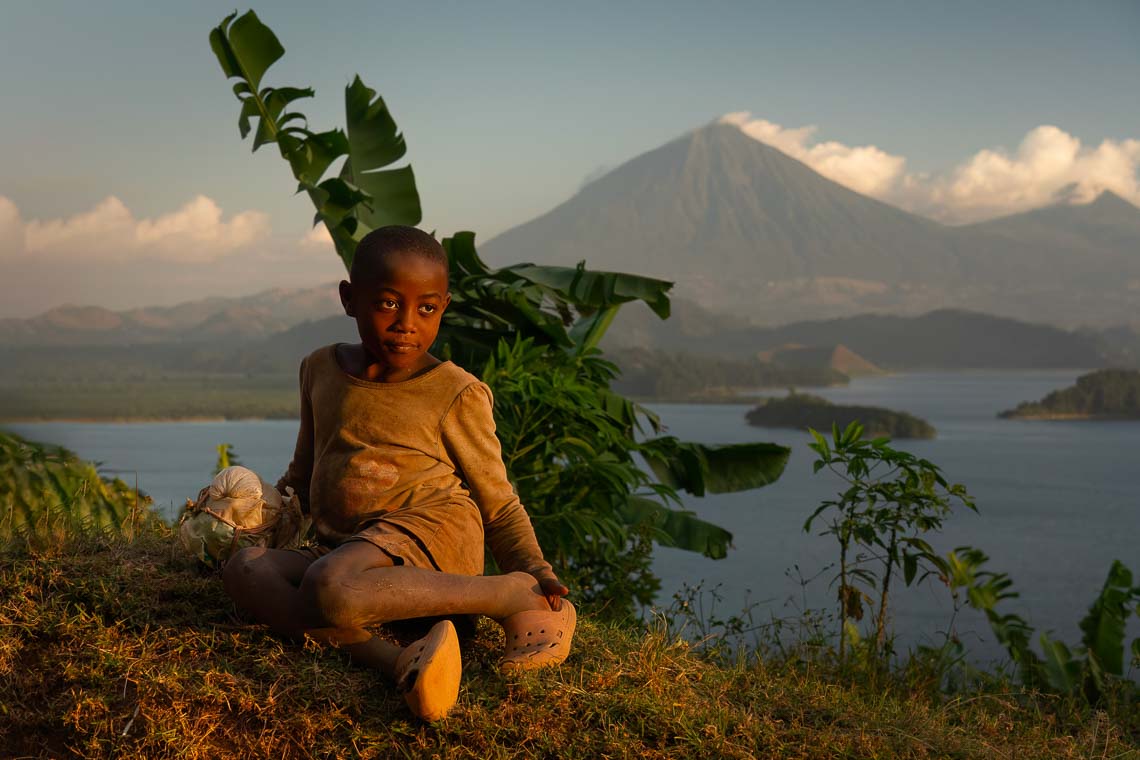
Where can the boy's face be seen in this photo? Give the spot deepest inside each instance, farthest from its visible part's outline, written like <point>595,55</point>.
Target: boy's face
<point>398,309</point>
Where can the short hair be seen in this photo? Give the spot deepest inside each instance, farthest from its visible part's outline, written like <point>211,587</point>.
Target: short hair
<point>378,245</point>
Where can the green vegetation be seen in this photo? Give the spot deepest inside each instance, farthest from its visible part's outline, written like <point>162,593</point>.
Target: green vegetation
<point>1094,671</point>
<point>46,491</point>
<point>803,410</point>
<point>111,648</point>
<point>891,501</point>
<point>663,376</point>
<point>1112,394</point>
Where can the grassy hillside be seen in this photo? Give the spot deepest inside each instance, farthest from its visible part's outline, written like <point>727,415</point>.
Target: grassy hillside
<point>116,648</point>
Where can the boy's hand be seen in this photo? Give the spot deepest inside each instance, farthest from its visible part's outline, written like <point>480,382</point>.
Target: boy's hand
<point>552,589</point>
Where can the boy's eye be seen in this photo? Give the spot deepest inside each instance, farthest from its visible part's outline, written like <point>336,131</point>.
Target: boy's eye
<point>388,303</point>
<point>428,308</point>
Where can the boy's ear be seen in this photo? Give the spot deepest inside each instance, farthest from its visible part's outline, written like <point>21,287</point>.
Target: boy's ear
<point>345,288</point>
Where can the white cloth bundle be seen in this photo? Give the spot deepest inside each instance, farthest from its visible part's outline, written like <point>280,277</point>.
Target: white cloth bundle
<point>236,510</point>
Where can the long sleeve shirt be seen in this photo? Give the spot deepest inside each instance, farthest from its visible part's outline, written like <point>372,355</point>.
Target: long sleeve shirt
<point>409,454</point>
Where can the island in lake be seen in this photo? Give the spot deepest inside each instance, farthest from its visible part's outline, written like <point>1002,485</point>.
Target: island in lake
<point>1107,394</point>
<point>803,410</point>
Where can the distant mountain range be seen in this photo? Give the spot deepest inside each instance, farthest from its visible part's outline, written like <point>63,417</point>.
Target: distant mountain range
<point>941,339</point>
<point>753,238</point>
<point>742,227</point>
<point>209,319</point>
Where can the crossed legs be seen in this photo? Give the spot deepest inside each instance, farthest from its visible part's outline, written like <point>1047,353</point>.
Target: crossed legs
<point>335,598</point>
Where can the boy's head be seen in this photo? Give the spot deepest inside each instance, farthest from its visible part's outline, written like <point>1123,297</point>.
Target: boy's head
<point>377,246</point>
<point>397,291</point>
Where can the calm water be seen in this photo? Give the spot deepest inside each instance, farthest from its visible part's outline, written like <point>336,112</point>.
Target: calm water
<point>1058,501</point>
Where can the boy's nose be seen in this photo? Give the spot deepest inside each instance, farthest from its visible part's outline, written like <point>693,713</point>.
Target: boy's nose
<point>403,322</point>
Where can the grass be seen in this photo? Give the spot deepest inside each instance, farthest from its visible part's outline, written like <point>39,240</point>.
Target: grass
<point>120,648</point>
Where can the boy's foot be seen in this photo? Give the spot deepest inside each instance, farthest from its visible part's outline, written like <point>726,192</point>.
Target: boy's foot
<point>428,672</point>
<point>538,638</point>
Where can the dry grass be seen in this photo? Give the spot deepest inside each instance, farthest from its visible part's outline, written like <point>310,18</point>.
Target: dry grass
<point>111,648</point>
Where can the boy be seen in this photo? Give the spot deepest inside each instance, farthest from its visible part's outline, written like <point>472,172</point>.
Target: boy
<point>398,465</point>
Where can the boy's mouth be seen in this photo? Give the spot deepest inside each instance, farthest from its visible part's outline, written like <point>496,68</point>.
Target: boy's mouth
<point>401,348</point>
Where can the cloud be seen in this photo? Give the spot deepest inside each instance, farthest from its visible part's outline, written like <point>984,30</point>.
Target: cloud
<point>107,256</point>
<point>110,232</point>
<point>318,237</point>
<point>11,228</point>
<point>1048,166</point>
<point>865,169</point>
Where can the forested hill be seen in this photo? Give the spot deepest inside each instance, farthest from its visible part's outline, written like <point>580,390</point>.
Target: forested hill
<point>1107,394</point>
<point>944,339</point>
<point>803,411</point>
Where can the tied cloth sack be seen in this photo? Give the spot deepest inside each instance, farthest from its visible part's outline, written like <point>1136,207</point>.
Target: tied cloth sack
<point>239,509</point>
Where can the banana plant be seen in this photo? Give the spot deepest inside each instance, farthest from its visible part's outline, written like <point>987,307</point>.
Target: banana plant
<point>533,329</point>
<point>1091,669</point>
<point>363,195</point>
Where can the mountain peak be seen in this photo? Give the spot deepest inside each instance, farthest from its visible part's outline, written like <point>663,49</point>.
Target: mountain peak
<point>1109,200</point>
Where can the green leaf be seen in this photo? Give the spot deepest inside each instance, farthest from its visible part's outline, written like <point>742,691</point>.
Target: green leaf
<point>587,332</point>
<point>375,142</point>
<point>246,48</point>
<point>680,529</point>
<point>699,468</point>
<point>1062,672</point>
<point>910,567</point>
<point>592,289</point>
<point>1103,626</point>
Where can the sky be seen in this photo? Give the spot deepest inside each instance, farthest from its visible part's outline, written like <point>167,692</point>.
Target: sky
<point>126,182</point>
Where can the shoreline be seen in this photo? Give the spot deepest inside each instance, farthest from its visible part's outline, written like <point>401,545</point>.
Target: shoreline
<point>1062,417</point>
<point>134,420</point>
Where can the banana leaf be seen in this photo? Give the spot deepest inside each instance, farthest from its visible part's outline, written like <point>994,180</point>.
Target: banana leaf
<point>699,469</point>
<point>682,530</point>
<point>1103,627</point>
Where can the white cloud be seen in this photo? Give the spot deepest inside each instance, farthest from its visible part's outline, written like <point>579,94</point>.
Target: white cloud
<point>11,228</point>
<point>1049,165</point>
<point>110,232</point>
<point>318,237</point>
<point>106,256</point>
<point>865,169</point>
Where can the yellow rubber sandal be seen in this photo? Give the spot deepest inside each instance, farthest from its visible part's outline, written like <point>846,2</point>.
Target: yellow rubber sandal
<point>537,638</point>
<point>428,672</point>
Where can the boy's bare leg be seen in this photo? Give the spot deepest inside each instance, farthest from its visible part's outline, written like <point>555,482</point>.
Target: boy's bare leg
<point>357,585</point>
<point>266,583</point>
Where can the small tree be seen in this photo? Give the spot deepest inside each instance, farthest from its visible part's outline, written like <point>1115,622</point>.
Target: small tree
<point>892,499</point>
<point>568,440</point>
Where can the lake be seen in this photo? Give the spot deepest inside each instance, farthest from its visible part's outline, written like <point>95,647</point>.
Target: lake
<point>1057,501</point>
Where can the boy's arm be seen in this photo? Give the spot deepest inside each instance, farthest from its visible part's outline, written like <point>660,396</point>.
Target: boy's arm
<point>300,470</point>
<point>468,435</point>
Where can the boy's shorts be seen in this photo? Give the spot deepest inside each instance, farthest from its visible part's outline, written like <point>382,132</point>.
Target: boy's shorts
<point>449,540</point>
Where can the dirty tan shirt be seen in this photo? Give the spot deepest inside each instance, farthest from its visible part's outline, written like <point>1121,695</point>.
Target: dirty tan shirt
<point>411,454</point>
